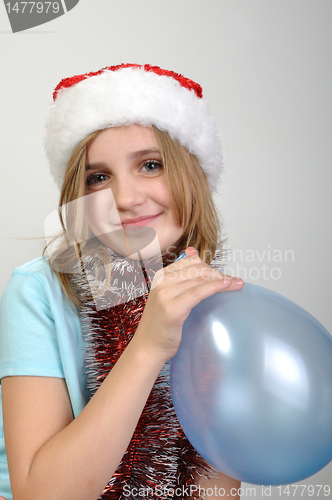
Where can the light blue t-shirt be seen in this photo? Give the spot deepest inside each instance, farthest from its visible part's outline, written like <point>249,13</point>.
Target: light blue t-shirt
<point>40,335</point>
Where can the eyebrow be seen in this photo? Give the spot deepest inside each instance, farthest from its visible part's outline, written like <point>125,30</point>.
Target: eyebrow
<point>134,155</point>
<point>144,152</point>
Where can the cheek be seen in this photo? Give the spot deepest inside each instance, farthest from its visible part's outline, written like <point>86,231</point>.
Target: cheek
<point>101,211</point>
<point>161,194</point>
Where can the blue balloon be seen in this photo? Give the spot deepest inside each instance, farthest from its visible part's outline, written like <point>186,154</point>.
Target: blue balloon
<point>252,386</point>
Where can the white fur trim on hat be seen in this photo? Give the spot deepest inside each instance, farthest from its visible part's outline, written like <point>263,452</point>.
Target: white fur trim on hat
<point>131,95</point>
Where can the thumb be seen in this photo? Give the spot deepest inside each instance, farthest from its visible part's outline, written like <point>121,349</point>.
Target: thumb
<point>190,252</point>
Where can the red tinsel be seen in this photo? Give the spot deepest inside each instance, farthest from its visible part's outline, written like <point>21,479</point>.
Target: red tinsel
<point>159,460</point>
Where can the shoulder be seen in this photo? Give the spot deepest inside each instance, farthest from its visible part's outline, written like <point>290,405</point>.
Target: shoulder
<point>35,318</point>
<point>34,271</point>
<point>30,283</point>
<point>38,268</point>
<point>33,300</point>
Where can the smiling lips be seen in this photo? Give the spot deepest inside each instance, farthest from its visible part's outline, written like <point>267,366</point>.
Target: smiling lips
<point>139,221</point>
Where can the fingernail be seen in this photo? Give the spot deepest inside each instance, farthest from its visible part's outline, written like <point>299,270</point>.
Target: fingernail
<point>192,250</point>
<point>238,281</point>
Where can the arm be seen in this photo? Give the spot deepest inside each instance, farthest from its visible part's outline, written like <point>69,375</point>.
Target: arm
<point>50,455</point>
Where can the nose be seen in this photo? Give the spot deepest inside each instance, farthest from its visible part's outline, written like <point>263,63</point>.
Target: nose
<point>128,193</point>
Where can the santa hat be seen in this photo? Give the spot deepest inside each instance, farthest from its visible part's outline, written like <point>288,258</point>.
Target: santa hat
<point>126,94</point>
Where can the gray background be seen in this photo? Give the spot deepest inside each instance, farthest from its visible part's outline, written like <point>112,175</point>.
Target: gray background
<point>265,68</point>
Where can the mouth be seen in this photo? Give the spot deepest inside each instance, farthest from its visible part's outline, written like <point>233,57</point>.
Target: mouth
<point>139,221</point>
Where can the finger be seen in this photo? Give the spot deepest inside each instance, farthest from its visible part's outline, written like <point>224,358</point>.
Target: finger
<point>193,261</point>
<point>190,252</point>
<point>184,286</point>
<point>171,276</point>
<point>195,270</point>
<point>190,297</point>
<point>185,261</point>
<point>236,284</point>
<point>189,280</point>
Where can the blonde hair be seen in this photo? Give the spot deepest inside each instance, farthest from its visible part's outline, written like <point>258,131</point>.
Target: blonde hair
<point>191,200</point>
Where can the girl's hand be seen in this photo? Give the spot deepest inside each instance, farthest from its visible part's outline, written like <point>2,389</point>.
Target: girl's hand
<point>180,287</point>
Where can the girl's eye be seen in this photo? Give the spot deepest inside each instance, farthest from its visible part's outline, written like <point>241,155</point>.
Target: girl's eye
<point>152,166</point>
<point>95,179</point>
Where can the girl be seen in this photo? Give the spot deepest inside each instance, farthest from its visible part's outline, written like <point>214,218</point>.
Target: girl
<point>137,155</point>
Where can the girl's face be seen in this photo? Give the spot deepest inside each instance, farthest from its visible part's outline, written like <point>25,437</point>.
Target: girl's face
<point>127,189</point>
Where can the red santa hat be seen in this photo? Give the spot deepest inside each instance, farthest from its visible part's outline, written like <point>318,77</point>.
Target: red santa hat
<point>126,94</point>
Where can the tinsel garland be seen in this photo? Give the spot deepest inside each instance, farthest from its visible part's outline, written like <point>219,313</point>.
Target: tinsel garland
<point>159,460</point>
